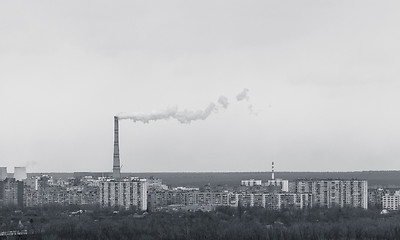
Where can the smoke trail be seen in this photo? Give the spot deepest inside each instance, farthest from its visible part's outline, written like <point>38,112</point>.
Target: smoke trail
<point>223,101</point>
<point>243,95</point>
<point>252,111</point>
<point>153,116</point>
<point>184,116</point>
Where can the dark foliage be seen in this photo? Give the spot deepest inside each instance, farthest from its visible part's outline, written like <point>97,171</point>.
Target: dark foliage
<point>224,223</point>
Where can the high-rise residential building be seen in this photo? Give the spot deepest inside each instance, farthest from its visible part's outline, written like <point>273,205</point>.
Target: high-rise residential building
<point>3,173</point>
<point>12,192</point>
<point>124,193</point>
<point>20,173</point>
<point>335,192</point>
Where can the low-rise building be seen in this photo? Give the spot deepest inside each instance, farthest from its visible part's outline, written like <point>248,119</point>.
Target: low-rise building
<point>282,184</point>
<point>391,202</point>
<point>251,182</point>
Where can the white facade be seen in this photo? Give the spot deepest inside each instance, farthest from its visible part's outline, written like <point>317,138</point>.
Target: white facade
<point>390,202</point>
<point>124,193</point>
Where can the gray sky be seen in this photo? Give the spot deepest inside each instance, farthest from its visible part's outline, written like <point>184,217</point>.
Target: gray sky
<point>322,75</point>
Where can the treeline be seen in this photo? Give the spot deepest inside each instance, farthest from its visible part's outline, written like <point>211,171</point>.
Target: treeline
<point>223,223</point>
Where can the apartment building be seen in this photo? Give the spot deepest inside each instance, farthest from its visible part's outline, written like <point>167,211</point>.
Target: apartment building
<point>391,202</point>
<point>125,193</point>
<point>12,192</point>
<point>335,192</point>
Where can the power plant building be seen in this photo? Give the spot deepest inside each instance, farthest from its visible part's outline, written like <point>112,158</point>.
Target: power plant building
<point>124,193</point>
<point>282,184</point>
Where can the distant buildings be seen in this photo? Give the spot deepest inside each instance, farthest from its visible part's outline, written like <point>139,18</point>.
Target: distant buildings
<point>278,184</point>
<point>155,184</point>
<point>142,194</point>
<point>63,196</point>
<point>282,184</point>
<point>288,200</point>
<point>375,197</point>
<point>251,183</point>
<point>273,201</point>
<point>41,190</point>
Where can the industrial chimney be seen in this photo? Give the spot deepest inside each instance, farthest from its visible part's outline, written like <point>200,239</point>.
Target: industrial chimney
<point>116,162</point>
<point>273,172</point>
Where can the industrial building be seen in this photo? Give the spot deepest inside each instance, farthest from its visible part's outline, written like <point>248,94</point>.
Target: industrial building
<point>281,184</point>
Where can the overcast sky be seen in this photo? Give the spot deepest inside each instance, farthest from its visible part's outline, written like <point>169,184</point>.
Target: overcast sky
<point>323,80</point>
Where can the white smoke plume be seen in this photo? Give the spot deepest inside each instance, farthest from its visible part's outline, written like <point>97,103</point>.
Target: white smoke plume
<point>252,111</point>
<point>243,95</point>
<point>184,116</point>
<point>153,116</point>
<point>223,101</point>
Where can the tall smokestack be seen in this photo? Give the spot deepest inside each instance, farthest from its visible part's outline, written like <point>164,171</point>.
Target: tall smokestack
<point>116,162</point>
<point>273,172</point>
